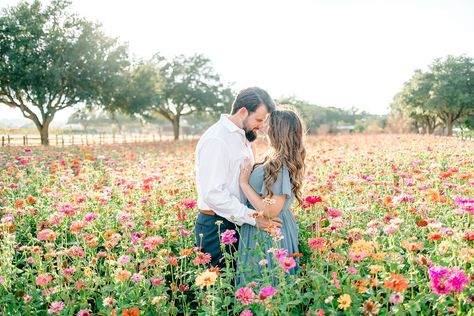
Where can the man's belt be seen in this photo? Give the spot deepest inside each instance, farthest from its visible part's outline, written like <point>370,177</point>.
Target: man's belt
<point>208,212</point>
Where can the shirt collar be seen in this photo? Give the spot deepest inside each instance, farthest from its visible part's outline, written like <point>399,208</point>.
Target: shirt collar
<point>230,125</point>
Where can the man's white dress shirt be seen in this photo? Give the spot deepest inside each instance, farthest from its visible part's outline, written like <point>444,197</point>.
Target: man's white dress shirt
<point>220,152</point>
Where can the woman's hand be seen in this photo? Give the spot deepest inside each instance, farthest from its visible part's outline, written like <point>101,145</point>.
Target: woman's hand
<point>245,170</point>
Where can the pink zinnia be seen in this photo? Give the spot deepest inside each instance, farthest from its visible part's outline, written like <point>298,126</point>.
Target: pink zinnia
<point>246,312</point>
<point>123,259</point>
<point>84,312</point>
<point>457,280</point>
<point>351,270</point>
<point>69,271</point>
<point>43,279</point>
<point>156,281</point>
<point>188,203</point>
<point>245,295</point>
<point>396,298</point>
<point>68,210</point>
<point>334,213</point>
<point>137,277</point>
<point>227,237</point>
<point>445,281</point>
<point>91,216</point>
<point>287,263</point>
<point>55,307</point>
<point>267,292</point>
<point>281,253</point>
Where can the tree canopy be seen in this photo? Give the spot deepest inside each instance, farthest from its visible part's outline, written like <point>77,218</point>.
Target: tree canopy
<point>51,59</point>
<point>442,95</point>
<point>173,88</point>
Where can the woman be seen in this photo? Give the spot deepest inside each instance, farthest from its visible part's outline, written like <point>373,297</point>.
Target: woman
<point>271,188</point>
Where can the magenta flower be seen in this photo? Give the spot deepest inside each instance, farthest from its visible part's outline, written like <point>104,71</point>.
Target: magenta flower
<point>91,216</point>
<point>457,280</point>
<point>287,263</point>
<point>445,280</point>
<point>188,203</point>
<point>245,295</point>
<point>266,292</point>
<point>228,237</point>
<point>281,253</point>
<point>465,204</point>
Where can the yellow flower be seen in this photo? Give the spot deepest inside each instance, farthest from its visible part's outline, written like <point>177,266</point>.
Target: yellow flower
<point>344,301</point>
<point>206,278</point>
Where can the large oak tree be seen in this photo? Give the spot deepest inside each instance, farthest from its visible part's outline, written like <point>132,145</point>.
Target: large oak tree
<point>173,88</point>
<point>51,59</point>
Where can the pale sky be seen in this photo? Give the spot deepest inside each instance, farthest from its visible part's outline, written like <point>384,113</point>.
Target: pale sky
<point>330,53</point>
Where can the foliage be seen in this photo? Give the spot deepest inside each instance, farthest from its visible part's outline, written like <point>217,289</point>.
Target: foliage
<point>51,59</point>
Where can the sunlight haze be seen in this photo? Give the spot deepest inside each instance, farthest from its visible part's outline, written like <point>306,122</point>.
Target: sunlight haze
<point>330,53</point>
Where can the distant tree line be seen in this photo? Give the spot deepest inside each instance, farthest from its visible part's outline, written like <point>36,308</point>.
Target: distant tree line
<point>439,98</point>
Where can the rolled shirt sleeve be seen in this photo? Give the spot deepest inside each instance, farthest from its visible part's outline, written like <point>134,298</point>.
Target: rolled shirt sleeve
<point>212,170</point>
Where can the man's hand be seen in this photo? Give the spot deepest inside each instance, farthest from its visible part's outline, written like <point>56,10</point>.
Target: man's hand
<point>268,224</point>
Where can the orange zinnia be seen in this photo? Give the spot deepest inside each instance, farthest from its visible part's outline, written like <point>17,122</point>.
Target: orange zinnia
<point>396,282</point>
<point>131,312</point>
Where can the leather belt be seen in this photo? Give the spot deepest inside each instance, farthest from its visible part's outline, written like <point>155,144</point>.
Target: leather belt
<point>208,212</point>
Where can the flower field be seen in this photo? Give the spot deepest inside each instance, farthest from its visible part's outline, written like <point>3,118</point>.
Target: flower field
<point>387,228</point>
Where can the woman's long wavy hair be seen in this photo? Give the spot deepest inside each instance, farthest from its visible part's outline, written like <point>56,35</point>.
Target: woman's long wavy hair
<point>286,134</point>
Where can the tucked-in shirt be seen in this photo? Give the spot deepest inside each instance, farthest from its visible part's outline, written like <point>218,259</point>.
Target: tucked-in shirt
<point>220,152</point>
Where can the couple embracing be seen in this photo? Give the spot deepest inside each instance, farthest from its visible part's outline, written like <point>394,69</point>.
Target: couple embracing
<point>253,199</point>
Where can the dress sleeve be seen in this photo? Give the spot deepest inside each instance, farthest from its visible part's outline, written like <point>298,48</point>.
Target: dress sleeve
<point>282,185</point>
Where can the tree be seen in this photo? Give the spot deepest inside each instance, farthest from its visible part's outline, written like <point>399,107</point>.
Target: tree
<point>175,88</point>
<point>51,59</point>
<point>415,99</point>
<point>452,94</point>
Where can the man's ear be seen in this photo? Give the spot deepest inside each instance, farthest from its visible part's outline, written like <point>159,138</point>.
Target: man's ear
<point>243,113</point>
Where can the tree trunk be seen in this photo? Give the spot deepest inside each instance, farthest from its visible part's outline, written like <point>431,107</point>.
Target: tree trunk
<point>450,124</point>
<point>44,133</point>
<point>431,127</point>
<point>44,130</point>
<point>176,127</point>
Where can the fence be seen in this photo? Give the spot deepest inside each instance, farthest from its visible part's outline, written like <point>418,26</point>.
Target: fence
<point>87,139</point>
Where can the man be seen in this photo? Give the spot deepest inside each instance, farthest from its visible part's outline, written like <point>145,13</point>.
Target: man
<point>220,152</point>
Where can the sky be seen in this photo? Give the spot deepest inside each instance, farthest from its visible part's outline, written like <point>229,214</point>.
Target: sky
<point>337,53</point>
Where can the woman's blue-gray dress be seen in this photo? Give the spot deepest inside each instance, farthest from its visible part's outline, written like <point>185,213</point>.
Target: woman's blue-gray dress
<point>254,243</point>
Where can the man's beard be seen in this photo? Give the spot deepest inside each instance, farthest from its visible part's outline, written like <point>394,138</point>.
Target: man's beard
<point>251,135</point>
